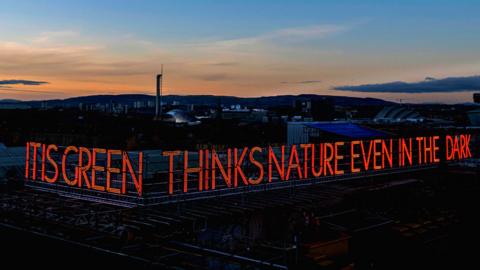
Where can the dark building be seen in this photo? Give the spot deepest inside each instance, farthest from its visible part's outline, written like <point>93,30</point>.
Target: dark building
<point>320,109</point>
<point>476,97</point>
<point>397,218</point>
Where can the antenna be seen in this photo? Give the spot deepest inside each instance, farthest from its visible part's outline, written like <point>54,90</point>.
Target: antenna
<point>161,88</point>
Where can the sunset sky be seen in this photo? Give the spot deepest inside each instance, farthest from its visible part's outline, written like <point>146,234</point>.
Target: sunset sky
<point>59,49</point>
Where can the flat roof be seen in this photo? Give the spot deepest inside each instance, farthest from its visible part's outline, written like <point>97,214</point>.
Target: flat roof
<point>349,130</point>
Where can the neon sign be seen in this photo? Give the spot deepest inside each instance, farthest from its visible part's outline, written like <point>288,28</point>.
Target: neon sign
<point>79,167</point>
<point>86,167</point>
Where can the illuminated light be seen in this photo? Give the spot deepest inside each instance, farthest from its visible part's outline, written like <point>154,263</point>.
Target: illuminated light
<point>259,165</point>
<point>338,157</point>
<point>227,175</point>
<point>111,170</point>
<point>468,153</point>
<point>420,149</point>
<point>43,162</point>
<point>96,168</point>
<point>327,159</point>
<point>318,173</point>
<point>466,145</point>
<point>64,164</point>
<point>406,151</point>
<point>82,169</point>
<point>237,166</point>
<point>458,147</point>
<point>207,170</point>
<point>137,179</point>
<point>376,154</point>
<point>461,146</point>
<point>314,160</point>
<point>272,159</point>
<point>436,148</point>
<point>387,153</point>
<point>353,156</point>
<point>53,164</point>
<point>452,147</point>
<point>27,159</point>
<point>187,170</point>
<point>305,158</point>
<point>35,147</point>
<point>87,162</point>
<point>294,163</point>
<point>448,142</point>
<point>428,150</point>
<point>366,158</point>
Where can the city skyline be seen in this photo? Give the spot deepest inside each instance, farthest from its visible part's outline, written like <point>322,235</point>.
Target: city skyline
<point>51,49</point>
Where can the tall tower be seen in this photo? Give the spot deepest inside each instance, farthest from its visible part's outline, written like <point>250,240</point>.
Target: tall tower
<point>158,98</point>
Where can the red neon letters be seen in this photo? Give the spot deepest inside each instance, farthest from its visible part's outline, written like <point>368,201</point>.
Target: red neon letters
<point>80,167</point>
<point>205,169</point>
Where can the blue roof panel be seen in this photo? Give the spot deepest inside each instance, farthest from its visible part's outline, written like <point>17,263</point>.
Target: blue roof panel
<point>348,130</point>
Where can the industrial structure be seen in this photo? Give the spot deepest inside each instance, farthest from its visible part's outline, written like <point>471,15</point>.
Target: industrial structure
<point>320,226</point>
<point>398,114</point>
<point>180,117</point>
<point>158,97</point>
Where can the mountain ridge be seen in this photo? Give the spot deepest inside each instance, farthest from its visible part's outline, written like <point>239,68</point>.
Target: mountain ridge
<point>263,101</point>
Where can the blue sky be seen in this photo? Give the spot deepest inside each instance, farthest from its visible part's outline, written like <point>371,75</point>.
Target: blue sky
<point>245,48</point>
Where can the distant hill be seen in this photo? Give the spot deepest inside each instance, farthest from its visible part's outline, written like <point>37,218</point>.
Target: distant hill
<point>9,101</point>
<point>268,101</point>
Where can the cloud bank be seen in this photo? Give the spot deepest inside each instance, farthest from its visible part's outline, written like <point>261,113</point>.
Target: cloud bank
<point>24,82</point>
<point>430,85</point>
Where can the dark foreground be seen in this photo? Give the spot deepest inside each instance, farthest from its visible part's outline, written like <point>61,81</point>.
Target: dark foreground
<point>423,219</point>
